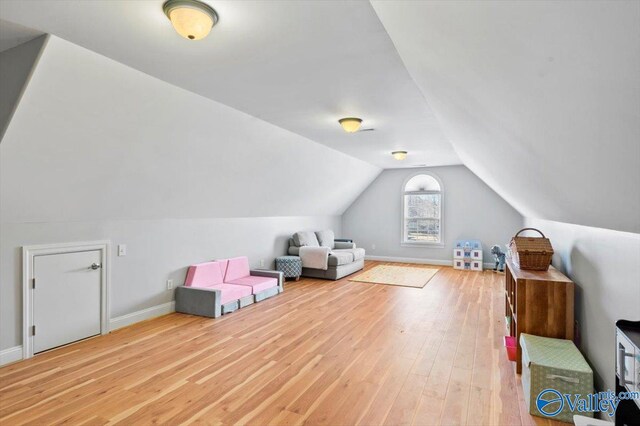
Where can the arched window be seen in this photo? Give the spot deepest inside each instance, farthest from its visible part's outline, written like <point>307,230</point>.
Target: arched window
<point>422,210</point>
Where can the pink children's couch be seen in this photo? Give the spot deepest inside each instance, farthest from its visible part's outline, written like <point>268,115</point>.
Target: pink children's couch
<point>215,288</point>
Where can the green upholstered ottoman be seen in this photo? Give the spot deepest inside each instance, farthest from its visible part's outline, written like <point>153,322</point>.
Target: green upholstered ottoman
<point>552,368</point>
<point>290,266</point>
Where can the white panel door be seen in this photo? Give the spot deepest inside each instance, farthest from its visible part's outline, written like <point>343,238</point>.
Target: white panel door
<point>66,298</point>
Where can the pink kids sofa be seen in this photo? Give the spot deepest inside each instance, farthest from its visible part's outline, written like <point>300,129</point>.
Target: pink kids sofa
<point>263,284</point>
<point>219,287</point>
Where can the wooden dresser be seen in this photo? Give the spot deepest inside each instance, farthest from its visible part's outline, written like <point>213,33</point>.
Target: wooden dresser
<point>539,303</point>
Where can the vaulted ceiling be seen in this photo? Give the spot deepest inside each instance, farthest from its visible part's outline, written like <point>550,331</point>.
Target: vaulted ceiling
<point>540,99</point>
<point>94,140</point>
<point>299,65</point>
<point>12,35</point>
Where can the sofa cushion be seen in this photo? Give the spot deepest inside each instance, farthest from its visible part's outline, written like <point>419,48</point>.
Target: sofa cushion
<point>326,238</point>
<point>204,275</point>
<point>257,284</point>
<point>358,253</point>
<point>340,257</point>
<point>237,267</point>
<point>223,266</point>
<point>231,292</point>
<point>340,245</point>
<point>305,238</point>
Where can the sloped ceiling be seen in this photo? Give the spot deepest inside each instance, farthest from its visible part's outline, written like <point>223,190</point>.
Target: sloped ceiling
<point>541,99</point>
<point>15,69</point>
<point>300,65</point>
<point>12,35</point>
<point>92,139</point>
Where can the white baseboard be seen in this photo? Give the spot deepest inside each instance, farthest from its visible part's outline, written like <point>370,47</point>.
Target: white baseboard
<point>145,314</point>
<point>14,354</point>
<point>9,355</point>
<point>419,260</point>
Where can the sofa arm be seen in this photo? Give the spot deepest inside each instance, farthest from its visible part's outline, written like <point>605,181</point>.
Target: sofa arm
<point>199,301</point>
<point>344,240</point>
<point>294,251</point>
<point>341,245</point>
<point>271,274</point>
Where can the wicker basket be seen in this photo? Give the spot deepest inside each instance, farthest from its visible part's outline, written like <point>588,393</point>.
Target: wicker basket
<point>532,253</point>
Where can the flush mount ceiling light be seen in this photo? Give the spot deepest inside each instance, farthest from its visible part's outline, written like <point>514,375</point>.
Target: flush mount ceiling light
<point>191,19</point>
<point>399,155</point>
<point>350,124</point>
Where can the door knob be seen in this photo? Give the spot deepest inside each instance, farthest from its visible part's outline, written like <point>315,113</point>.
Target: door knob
<point>95,266</point>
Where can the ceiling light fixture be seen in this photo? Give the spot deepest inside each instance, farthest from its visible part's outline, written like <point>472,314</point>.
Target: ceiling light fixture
<point>191,19</point>
<point>399,155</point>
<point>350,124</point>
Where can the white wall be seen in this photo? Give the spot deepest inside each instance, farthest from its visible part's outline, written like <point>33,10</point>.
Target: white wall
<point>471,210</point>
<point>605,265</point>
<point>97,150</point>
<point>157,250</point>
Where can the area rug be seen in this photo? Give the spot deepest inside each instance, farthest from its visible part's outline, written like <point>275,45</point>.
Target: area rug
<point>405,276</point>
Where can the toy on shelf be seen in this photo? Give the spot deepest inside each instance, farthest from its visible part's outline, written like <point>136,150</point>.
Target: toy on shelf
<point>467,255</point>
<point>498,256</point>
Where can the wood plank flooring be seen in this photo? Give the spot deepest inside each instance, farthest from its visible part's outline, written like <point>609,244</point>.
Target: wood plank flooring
<point>322,352</point>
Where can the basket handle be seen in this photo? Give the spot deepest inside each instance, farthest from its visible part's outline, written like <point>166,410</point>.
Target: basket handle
<point>530,229</point>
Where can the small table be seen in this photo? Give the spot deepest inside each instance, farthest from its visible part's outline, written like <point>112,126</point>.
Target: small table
<point>290,266</point>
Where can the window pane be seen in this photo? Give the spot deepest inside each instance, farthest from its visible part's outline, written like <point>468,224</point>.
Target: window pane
<point>422,217</point>
<point>422,183</point>
<point>424,230</point>
<point>422,205</point>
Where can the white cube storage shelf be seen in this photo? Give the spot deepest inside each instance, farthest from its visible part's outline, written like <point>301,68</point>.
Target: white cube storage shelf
<point>467,255</point>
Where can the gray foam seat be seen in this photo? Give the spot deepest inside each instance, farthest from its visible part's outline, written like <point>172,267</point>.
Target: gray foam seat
<point>340,257</point>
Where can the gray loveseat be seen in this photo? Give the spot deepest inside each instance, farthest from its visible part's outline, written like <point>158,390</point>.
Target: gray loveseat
<point>343,258</point>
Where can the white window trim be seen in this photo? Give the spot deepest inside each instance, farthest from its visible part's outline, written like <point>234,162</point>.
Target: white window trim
<point>424,244</point>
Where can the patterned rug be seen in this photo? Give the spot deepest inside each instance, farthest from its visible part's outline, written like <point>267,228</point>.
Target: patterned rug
<point>405,276</point>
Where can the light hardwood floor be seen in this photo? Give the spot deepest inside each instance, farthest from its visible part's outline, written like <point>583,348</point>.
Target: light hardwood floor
<point>322,352</point>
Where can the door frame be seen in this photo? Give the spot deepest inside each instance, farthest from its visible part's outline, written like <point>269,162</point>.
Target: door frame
<point>28,255</point>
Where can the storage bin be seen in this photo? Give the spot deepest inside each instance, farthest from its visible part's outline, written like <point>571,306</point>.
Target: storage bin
<point>510,344</point>
<point>291,266</point>
<point>554,364</point>
<point>534,253</point>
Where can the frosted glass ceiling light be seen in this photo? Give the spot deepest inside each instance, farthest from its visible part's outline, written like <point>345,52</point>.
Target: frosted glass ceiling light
<point>399,155</point>
<point>350,124</point>
<point>191,19</point>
